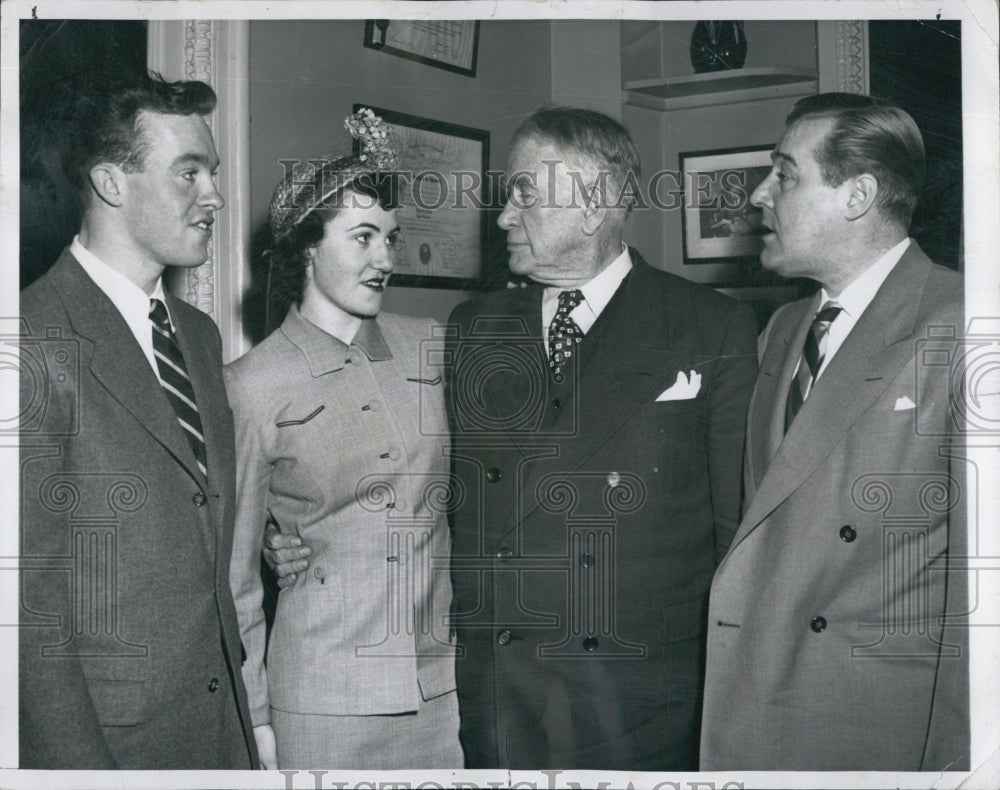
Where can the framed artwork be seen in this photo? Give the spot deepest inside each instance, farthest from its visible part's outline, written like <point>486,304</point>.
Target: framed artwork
<point>447,44</point>
<point>443,188</point>
<point>719,224</point>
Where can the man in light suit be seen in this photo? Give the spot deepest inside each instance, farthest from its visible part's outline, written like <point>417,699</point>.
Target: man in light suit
<point>129,646</point>
<point>596,444</point>
<point>835,639</point>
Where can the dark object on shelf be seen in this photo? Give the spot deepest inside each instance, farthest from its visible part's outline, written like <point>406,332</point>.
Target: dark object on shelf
<point>718,46</point>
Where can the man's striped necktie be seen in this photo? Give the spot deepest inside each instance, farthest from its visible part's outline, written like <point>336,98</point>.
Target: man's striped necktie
<point>175,381</point>
<point>812,360</point>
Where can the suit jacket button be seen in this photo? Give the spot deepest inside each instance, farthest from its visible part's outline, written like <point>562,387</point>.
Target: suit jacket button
<point>213,685</point>
<point>587,560</point>
<point>503,638</point>
<point>504,554</point>
<point>614,479</point>
<point>199,499</point>
<point>847,533</point>
<point>493,474</point>
<point>818,624</point>
<point>590,644</point>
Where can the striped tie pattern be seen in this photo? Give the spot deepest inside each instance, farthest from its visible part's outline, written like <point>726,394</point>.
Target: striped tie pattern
<point>813,355</point>
<point>564,332</point>
<point>175,381</point>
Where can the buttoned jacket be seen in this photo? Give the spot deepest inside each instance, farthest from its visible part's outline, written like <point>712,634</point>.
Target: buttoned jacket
<point>589,518</point>
<point>836,638</point>
<point>345,447</point>
<point>130,650</point>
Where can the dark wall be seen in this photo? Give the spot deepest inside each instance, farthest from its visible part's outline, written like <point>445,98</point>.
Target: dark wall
<point>57,59</point>
<point>918,66</point>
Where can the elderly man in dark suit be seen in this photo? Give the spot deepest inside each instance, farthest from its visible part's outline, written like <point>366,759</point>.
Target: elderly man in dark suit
<point>835,639</point>
<point>129,645</point>
<point>597,426</point>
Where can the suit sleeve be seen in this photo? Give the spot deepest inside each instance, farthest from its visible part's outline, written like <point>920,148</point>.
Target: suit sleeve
<point>252,484</point>
<point>58,724</point>
<point>728,400</point>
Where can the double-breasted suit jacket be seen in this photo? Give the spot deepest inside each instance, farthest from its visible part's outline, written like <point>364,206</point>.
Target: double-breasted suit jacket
<point>129,645</point>
<point>589,518</point>
<point>827,647</point>
<point>345,447</point>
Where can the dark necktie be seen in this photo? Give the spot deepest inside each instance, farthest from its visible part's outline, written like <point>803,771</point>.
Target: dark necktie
<point>813,354</point>
<point>564,334</point>
<point>175,381</point>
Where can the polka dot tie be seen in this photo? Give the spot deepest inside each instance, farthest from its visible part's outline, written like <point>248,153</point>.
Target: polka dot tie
<point>564,334</point>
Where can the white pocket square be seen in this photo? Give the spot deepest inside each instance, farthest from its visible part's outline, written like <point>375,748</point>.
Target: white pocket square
<point>684,388</point>
<point>903,403</point>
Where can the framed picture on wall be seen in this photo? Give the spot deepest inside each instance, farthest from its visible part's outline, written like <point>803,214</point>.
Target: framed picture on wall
<point>451,44</point>
<point>719,224</point>
<point>443,187</point>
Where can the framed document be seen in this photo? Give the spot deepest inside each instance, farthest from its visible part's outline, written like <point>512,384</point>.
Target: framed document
<point>448,44</point>
<point>442,193</point>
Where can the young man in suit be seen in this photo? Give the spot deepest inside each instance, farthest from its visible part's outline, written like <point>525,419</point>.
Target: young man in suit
<point>597,427</point>
<point>834,634</point>
<point>129,645</point>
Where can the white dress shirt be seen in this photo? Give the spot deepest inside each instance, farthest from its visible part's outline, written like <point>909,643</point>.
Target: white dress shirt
<point>596,295</point>
<point>129,299</point>
<point>855,298</point>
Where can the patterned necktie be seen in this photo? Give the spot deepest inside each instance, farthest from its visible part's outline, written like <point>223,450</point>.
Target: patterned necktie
<point>563,332</point>
<point>175,381</point>
<point>813,354</point>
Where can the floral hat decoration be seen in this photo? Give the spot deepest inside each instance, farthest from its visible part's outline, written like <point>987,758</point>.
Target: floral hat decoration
<point>317,183</point>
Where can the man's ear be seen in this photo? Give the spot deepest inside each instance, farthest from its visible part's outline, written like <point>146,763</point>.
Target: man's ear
<point>596,210</point>
<point>108,182</point>
<point>861,197</point>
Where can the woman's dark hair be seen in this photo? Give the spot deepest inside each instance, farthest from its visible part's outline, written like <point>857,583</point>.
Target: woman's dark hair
<point>289,255</point>
<point>105,125</point>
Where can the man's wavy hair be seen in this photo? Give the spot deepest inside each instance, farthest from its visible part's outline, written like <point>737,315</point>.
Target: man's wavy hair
<point>869,136</point>
<point>105,125</point>
<point>597,138</point>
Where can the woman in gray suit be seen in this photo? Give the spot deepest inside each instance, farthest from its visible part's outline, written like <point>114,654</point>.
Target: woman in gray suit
<point>341,437</point>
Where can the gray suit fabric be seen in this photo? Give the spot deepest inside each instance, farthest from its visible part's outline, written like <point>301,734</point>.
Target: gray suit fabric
<point>827,647</point>
<point>344,446</point>
<point>129,645</point>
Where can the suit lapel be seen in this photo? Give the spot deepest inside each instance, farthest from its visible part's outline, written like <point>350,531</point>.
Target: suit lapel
<point>117,361</point>
<point>621,367</point>
<point>766,423</point>
<point>859,373</point>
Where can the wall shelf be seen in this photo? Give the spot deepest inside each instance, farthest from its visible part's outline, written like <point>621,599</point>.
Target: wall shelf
<point>720,87</point>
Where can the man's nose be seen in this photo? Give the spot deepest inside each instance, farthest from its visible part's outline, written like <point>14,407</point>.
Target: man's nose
<point>761,193</point>
<point>213,198</point>
<point>508,217</point>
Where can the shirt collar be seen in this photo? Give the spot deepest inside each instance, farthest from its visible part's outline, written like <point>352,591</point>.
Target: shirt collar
<point>325,353</point>
<point>859,294</point>
<point>130,300</point>
<point>597,292</point>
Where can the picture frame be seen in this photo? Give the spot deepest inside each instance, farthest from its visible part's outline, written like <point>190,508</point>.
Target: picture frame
<point>443,189</point>
<point>718,223</point>
<point>450,44</point>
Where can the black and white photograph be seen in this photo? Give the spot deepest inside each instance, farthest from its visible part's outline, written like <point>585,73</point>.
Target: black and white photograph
<point>499,395</point>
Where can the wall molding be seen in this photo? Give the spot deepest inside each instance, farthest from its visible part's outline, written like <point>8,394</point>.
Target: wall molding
<point>843,55</point>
